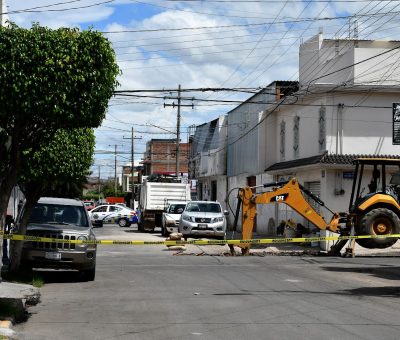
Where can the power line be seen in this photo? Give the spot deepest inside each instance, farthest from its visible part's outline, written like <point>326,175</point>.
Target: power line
<point>301,20</point>
<point>35,9</point>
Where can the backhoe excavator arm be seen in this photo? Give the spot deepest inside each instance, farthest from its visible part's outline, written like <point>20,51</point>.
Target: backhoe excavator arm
<point>289,193</point>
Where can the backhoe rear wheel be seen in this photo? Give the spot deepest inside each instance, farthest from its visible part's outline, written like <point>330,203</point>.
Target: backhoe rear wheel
<point>380,221</point>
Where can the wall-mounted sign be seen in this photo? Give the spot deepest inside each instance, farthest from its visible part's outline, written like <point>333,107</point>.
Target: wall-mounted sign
<point>396,124</point>
<point>348,174</point>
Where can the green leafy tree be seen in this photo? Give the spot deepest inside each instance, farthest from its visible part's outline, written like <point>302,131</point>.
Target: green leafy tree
<point>109,190</point>
<point>50,80</point>
<point>62,164</point>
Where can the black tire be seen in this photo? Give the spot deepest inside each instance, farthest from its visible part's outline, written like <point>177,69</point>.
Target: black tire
<point>98,224</point>
<point>122,222</point>
<point>163,231</point>
<point>89,274</point>
<point>140,227</point>
<point>380,221</point>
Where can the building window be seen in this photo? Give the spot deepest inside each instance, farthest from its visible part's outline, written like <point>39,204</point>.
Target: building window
<point>282,141</point>
<point>296,137</point>
<point>322,129</point>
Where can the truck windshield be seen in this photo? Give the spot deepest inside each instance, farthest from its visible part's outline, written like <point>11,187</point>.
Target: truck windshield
<point>59,214</point>
<point>176,208</point>
<point>204,207</point>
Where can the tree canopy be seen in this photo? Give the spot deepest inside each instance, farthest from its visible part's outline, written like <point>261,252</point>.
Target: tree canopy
<point>50,80</point>
<point>54,78</point>
<point>63,163</point>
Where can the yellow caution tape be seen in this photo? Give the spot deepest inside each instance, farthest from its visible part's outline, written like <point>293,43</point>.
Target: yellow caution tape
<point>17,237</point>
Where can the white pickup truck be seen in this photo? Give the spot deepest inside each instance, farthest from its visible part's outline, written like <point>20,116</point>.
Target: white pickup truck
<point>171,217</point>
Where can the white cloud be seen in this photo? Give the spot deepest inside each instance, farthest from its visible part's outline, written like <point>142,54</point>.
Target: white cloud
<point>249,56</point>
<point>57,16</point>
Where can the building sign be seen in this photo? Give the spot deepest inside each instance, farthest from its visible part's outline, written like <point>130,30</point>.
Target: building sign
<point>396,124</point>
<point>348,174</point>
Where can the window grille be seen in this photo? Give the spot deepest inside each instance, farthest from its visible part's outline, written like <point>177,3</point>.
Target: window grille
<point>322,129</point>
<point>296,136</point>
<point>282,141</point>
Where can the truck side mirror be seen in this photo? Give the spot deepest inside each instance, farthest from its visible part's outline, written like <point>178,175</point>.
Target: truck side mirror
<point>226,212</point>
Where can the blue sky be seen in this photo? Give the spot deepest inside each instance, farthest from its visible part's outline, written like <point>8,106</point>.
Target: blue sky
<point>199,44</point>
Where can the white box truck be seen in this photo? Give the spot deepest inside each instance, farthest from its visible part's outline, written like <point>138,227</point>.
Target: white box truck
<point>153,195</point>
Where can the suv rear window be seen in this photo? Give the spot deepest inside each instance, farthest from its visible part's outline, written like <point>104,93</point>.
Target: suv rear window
<point>59,214</point>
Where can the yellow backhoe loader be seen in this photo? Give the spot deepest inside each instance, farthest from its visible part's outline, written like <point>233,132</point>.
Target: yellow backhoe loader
<point>374,213</point>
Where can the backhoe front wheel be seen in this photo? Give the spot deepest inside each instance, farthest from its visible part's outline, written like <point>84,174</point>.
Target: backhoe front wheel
<point>380,221</point>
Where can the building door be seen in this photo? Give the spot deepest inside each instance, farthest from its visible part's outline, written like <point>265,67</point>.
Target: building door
<point>199,191</point>
<point>213,190</point>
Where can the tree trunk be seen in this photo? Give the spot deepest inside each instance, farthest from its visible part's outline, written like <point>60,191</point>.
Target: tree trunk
<point>8,177</point>
<point>32,195</point>
<point>16,249</point>
<point>6,186</point>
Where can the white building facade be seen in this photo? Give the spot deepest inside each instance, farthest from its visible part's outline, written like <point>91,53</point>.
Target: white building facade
<point>208,160</point>
<point>340,109</point>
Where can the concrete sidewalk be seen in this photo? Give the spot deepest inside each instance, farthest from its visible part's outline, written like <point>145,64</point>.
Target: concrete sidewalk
<point>15,297</point>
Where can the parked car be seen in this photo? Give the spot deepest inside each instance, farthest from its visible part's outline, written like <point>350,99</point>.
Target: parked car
<point>63,219</point>
<point>124,216</point>
<point>203,218</point>
<point>89,205</point>
<point>171,217</point>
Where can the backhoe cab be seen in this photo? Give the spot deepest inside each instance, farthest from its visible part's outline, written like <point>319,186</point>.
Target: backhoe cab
<point>374,213</point>
<point>375,207</point>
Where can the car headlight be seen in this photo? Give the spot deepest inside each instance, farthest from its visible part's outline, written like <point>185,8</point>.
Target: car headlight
<point>218,219</point>
<point>82,238</point>
<point>187,218</point>
<point>169,218</point>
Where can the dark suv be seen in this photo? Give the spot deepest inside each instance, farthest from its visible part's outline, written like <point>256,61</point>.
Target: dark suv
<point>63,219</point>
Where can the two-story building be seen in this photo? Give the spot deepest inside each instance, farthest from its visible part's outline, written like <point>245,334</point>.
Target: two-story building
<point>340,109</point>
<point>160,157</point>
<point>208,160</point>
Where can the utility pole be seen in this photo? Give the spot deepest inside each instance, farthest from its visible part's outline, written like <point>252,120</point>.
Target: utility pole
<point>1,12</point>
<point>132,169</point>
<point>115,169</point>
<point>178,130</point>
<point>133,164</point>
<point>178,123</point>
<point>99,184</point>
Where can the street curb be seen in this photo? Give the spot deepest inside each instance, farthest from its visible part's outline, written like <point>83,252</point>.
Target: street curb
<point>5,329</point>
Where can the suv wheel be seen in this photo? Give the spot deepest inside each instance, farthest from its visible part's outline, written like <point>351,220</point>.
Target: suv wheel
<point>89,275</point>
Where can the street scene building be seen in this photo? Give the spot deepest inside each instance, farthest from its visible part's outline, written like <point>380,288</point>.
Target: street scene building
<point>199,169</point>
<point>311,130</point>
<point>160,157</point>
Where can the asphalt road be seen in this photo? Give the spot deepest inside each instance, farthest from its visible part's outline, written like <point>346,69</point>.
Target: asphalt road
<point>147,292</point>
